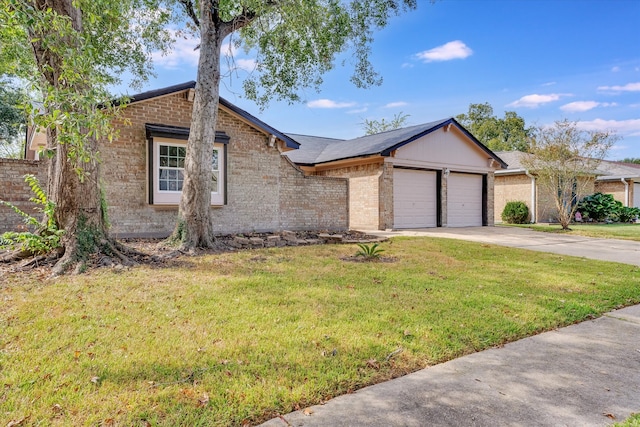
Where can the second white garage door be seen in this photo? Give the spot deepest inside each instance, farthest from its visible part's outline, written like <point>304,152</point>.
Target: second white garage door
<point>464,200</point>
<point>414,198</point>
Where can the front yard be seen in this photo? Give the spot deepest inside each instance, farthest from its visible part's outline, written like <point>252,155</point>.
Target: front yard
<point>237,338</point>
<point>602,231</point>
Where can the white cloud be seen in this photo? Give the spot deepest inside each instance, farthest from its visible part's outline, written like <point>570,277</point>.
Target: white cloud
<point>629,87</point>
<point>580,106</point>
<point>407,65</point>
<point>358,110</point>
<point>245,64</point>
<point>448,51</point>
<point>629,127</point>
<point>615,69</point>
<point>535,100</point>
<point>182,54</point>
<point>548,84</point>
<point>327,103</point>
<point>396,104</point>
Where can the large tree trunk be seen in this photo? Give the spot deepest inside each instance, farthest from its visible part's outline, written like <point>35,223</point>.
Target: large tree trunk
<point>77,196</point>
<point>194,228</point>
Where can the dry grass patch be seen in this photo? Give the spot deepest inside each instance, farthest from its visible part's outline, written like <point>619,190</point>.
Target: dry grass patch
<point>236,338</point>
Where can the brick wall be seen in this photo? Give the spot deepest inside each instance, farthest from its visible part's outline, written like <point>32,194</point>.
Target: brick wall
<point>265,192</point>
<point>508,188</point>
<point>13,189</point>
<point>364,193</point>
<point>616,188</point>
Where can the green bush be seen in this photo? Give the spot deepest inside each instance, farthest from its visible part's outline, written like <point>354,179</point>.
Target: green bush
<point>515,212</point>
<point>598,206</point>
<point>626,214</point>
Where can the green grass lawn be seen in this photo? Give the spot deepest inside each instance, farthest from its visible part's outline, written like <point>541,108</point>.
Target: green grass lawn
<point>237,338</point>
<point>632,421</point>
<point>604,231</point>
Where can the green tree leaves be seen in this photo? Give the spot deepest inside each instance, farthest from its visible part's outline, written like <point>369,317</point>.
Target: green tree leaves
<point>507,134</point>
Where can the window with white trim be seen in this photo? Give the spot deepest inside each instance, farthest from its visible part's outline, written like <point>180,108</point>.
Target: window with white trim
<point>167,163</point>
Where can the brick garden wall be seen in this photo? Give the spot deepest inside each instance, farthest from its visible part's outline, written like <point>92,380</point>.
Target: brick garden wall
<point>265,192</point>
<point>13,189</point>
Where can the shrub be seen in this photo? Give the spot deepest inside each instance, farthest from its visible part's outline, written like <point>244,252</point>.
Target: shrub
<point>598,206</point>
<point>626,214</point>
<point>369,252</point>
<point>515,212</point>
<point>47,237</point>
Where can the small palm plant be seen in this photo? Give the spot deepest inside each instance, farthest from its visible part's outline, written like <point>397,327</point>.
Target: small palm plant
<point>369,252</point>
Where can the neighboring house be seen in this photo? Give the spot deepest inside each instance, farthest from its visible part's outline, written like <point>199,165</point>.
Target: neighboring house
<point>431,175</point>
<point>255,187</point>
<point>517,183</point>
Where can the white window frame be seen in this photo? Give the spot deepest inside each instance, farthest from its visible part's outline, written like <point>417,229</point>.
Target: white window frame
<point>167,197</point>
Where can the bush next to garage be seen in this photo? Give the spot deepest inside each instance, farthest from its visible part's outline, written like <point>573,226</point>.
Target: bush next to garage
<point>515,212</point>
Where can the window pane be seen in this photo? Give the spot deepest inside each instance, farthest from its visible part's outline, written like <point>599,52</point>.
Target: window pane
<point>172,186</point>
<point>214,183</point>
<point>173,151</point>
<point>180,163</point>
<point>173,162</point>
<point>163,161</point>
<point>171,174</point>
<point>214,160</point>
<point>182,152</point>
<point>164,150</point>
<point>164,174</point>
<point>163,185</point>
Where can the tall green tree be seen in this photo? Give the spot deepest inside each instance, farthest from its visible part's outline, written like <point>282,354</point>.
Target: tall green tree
<point>69,52</point>
<point>565,161</point>
<point>297,42</point>
<point>635,160</point>
<point>499,134</point>
<point>373,126</point>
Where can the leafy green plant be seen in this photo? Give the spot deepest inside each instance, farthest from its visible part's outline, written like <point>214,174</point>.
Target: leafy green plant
<point>515,212</point>
<point>46,237</point>
<point>598,206</point>
<point>369,251</point>
<point>625,214</point>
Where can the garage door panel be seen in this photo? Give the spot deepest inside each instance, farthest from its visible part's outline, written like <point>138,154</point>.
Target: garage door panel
<point>464,200</point>
<point>636,195</point>
<point>414,198</point>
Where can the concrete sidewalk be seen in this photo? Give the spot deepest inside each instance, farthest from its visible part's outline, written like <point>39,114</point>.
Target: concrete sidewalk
<point>582,375</point>
<point>624,251</point>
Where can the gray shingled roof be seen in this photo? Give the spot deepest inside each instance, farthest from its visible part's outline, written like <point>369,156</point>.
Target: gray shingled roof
<point>607,170</point>
<point>316,150</point>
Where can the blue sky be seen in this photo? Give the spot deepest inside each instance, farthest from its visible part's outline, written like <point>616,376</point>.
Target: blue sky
<point>545,59</point>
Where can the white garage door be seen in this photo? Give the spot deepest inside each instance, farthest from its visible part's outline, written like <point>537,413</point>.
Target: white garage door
<point>464,200</point>
<point>636,195</point>
<point>414,199</point>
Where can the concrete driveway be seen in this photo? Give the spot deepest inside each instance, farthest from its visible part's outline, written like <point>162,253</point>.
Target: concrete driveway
<point>624,251</point>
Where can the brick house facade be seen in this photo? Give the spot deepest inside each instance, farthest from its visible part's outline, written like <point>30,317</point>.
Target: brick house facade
<point>517,184</point>
<point>257,188</point>
<point>431,175</point>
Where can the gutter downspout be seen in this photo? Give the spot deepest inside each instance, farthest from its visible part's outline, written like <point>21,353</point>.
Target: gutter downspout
<point>533,196</point>
<point>626,192</point>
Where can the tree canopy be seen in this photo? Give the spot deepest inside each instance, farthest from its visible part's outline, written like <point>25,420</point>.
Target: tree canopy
<point>499,134</point>
<point>373,126</point>
<point>565,161</point>
<point>12,118</point>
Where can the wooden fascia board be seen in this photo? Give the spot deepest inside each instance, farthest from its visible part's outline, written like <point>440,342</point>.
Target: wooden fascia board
<point>349,163</point>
